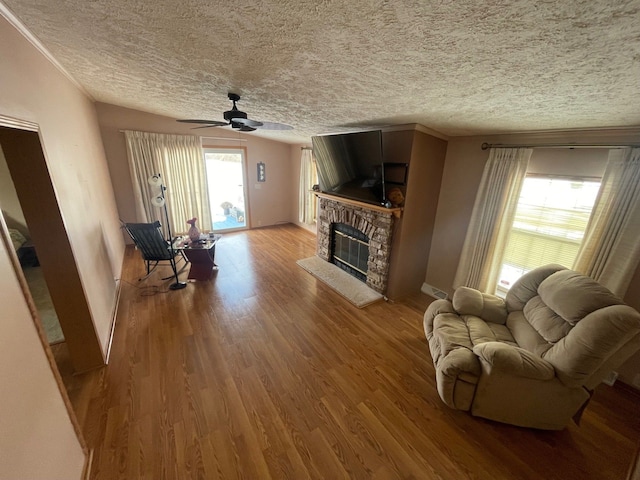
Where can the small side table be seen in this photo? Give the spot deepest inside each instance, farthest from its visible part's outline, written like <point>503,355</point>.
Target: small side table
<point>202,257</point>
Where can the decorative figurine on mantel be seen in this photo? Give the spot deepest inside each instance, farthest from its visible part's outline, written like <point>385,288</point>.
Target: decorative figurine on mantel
<point>194,233</point>
<point>396,197</point>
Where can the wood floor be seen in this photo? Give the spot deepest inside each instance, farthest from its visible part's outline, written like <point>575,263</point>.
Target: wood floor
<point>265,373</point>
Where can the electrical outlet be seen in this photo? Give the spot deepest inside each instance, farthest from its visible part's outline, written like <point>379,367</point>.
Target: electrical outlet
<point>259,223</point>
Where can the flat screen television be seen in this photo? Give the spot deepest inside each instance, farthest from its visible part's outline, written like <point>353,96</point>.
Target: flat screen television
<point>351,165</point>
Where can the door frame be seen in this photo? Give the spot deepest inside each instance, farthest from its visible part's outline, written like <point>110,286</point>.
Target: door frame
<point>245,179</point>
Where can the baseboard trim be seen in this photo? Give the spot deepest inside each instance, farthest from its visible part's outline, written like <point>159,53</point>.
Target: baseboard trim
<point>627,387</point>
<point>88,462</point>
<point>114,317</point>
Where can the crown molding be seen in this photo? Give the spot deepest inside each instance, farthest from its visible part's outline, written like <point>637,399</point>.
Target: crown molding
<point>574,136</point>
<point>33,40</point>
<point>603,132</point>
<point>418,127</point>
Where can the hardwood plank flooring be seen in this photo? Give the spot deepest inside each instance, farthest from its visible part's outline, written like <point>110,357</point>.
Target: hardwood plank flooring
<point>266,373</point>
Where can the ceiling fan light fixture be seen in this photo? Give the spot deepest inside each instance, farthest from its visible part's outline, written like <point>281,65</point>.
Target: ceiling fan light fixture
<point>231,115</point>
<point>238,120</point>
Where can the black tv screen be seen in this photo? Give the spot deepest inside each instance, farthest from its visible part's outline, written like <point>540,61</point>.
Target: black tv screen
<point>351,165</point>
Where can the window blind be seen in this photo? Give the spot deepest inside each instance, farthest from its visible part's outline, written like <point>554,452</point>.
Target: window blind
<point>549,224</point>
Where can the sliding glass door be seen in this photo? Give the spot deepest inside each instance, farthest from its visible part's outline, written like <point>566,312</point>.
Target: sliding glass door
<point>227,194</point>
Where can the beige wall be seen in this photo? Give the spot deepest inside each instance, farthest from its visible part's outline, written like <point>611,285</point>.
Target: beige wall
<point>37,438</point>
<point>462,173</point>
<point>412,234</point>
<point>269,201</point>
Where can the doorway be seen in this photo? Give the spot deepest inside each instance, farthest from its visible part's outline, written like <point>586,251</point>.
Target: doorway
<point>49,246</point>
<point>33,206</point>
<point>226,174</point>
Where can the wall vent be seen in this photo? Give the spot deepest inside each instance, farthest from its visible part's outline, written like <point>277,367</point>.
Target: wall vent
<point>434,292</point>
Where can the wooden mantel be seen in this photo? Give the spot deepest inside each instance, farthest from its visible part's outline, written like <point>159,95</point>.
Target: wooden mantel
<point>396,211</point>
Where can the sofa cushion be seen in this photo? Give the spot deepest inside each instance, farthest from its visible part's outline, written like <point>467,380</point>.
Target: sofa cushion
<point>526,287</point>
<point>574,296</point>
<point>525,335</point>
<point>480,331</point>
<point>551,326</point>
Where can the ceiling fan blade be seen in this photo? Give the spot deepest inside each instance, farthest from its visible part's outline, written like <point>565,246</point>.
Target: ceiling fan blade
<point>211,123</point>
<point>247,122</point>
<point>275,126</point>
<point>210,126</point>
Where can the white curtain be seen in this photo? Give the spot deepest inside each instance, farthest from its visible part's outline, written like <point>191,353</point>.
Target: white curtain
<point>492,218</point>
<point>610,251</point>
<point>179,160</point>
<point>308,178</point>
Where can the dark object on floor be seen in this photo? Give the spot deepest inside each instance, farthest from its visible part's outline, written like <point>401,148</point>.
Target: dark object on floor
<point>27,255</point>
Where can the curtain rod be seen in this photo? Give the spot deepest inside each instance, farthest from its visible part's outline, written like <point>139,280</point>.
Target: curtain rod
<point>225,138</point>
<point>203,136</point>
<point>486,146</point>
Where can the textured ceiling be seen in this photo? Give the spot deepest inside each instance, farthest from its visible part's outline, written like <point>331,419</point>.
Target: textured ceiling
<point>459,67</point>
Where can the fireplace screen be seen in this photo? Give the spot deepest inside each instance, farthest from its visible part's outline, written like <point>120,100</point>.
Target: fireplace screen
<point>350,250</point>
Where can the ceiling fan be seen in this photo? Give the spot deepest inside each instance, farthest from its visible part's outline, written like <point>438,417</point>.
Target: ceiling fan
<point>238,120</point>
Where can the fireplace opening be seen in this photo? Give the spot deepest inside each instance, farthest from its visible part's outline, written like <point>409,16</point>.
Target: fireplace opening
<point>350,250</point>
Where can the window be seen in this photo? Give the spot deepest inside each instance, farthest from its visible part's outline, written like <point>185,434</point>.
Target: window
<point>225,182</point>
<point>550,221</point>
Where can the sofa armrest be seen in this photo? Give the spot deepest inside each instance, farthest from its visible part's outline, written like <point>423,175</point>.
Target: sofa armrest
<point>439,306</point>
<point>514,360</point>
<point>433,310</point>
<point>469,301</point>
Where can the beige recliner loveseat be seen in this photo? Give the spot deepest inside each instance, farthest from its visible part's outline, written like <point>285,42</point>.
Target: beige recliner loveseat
<point>534,358</point>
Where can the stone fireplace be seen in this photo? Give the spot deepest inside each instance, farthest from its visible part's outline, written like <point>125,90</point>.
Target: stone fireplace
<point>376,224</point>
